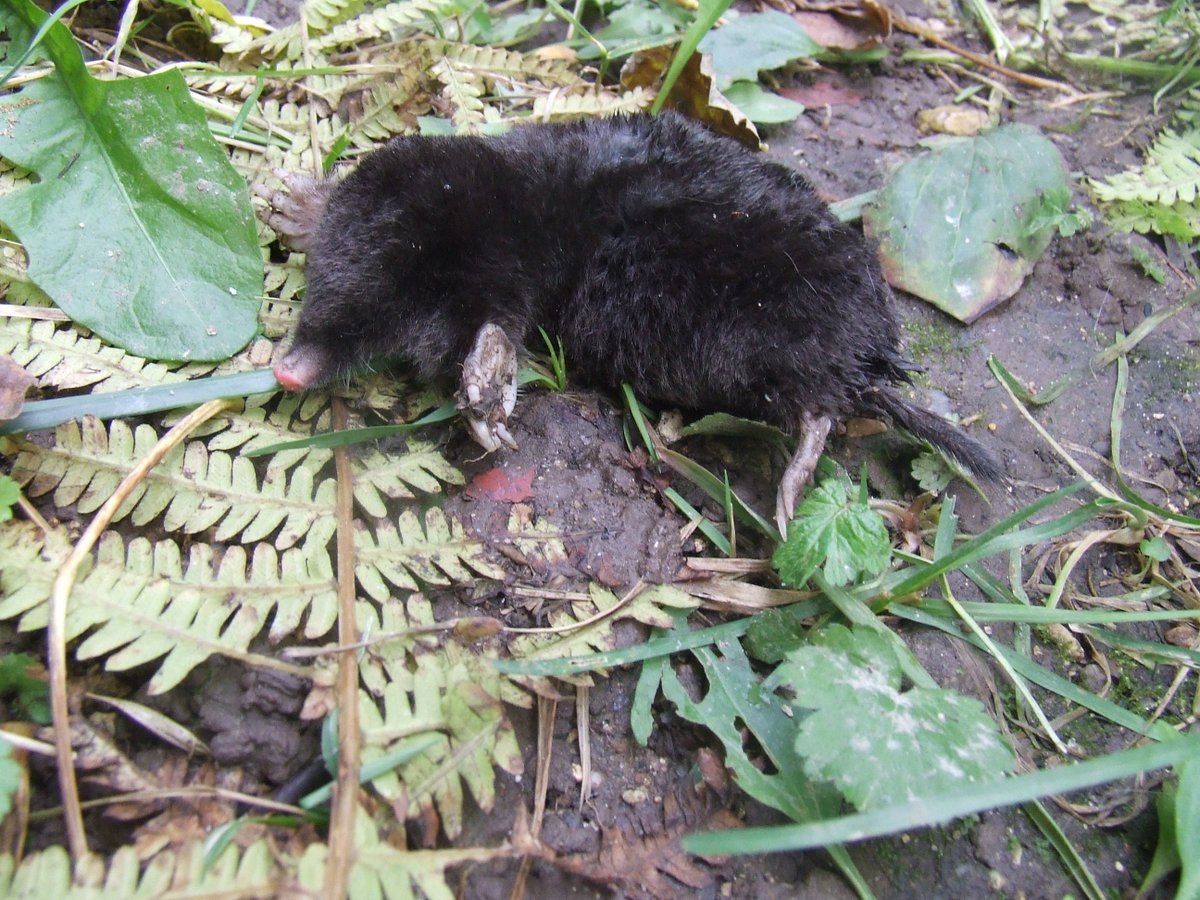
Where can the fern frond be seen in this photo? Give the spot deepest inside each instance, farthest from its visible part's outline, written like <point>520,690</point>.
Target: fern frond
<point>508,66</point>
<point>558,107</point>
<point>420,467</point>
<point>445,689</point>
<point>651,607</point>
<point>59,356</point>
<point>462,88</point>
<point>253,872</point>
<point>436,551</point>
<point>194,489</point>
<point>1171,173</point>
<point>1160,196</point>
<point>384,21</point>
<point>141,603</point>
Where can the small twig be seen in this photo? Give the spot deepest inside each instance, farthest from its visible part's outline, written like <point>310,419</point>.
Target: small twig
<point>598,617</point>
<point>345,792</point>
<point>56,633</point>
<point>583,731</point>
<point>1031,80</point>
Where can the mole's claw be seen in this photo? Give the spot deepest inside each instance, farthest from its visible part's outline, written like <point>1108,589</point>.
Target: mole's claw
<point>489,387</point>
<point>799,472</point>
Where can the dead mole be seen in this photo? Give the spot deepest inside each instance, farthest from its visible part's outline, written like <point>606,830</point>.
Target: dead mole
<point>661,254</point>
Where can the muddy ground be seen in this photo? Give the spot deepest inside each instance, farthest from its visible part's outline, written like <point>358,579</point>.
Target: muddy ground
<point>580,476</point>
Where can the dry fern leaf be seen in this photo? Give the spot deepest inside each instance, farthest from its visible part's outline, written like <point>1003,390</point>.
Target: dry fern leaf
<point>461,88</point>
<point>556,107</point>
<point>567,636</point>
<point>436,551</point>
<point>253,872</point>
<point>446,689</point>
<point>141,603</point>
<point>58,356</point>
<point>383,22</point>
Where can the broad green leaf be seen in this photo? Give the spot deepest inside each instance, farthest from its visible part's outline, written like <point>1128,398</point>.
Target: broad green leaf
<point>138,226</point>
<point>10,777</point>
<point>953,224</point>
<point>756,42</point>
<point>762,107</point>
<point>1187,827</point>
<point>835,532</point>
<point>879,745</point>
<point>10,493</point>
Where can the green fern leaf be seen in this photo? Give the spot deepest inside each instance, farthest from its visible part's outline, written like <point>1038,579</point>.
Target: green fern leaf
<point>1162,196</point>
<point>650,608</point>
<point>255,871</point>
<point>508,66</point>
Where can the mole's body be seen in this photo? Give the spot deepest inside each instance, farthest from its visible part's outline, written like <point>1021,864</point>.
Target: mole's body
<point>662,255</point>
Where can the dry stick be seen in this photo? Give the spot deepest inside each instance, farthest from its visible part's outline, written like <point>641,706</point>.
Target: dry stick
<point>56,633</point>
<point>547,708</point>
<point>1032,80</point>
<point>345,792</point>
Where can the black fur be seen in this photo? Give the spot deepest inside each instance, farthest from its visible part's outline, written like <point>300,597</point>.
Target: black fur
<point>661,254</point>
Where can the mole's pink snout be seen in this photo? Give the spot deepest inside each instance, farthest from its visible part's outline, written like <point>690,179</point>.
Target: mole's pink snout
<point>301,368</point>
<point>287,378</point>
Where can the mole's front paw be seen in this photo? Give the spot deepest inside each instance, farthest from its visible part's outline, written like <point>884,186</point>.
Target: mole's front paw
<point>295,210</point>
<point>489,387</point>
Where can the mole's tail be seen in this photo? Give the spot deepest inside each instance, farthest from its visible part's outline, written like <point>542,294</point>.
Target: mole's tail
<point>943,434</point>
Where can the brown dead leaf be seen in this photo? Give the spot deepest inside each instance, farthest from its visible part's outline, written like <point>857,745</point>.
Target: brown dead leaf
<point>15,825</point>
<point>15,382</point>
<point>652,865</point>
<point>964,121</point>
<point>695,93</point>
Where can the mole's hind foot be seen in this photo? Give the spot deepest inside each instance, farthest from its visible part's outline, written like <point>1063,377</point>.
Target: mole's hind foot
<point>799,472</point>
<point>489,388</point>
<point>295,210</point>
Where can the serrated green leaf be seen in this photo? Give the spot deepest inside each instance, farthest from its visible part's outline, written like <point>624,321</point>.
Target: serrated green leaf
<point>835,532</point>
<point>139,227</point>
<point>879,745</point>
<point>931,472</point>
<point>953,223</point>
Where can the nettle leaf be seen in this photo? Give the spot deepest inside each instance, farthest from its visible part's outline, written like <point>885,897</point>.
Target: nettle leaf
<point>877,744</point>
<point>834,532</point>
<point>10,777</point>
<point>138,227</point>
